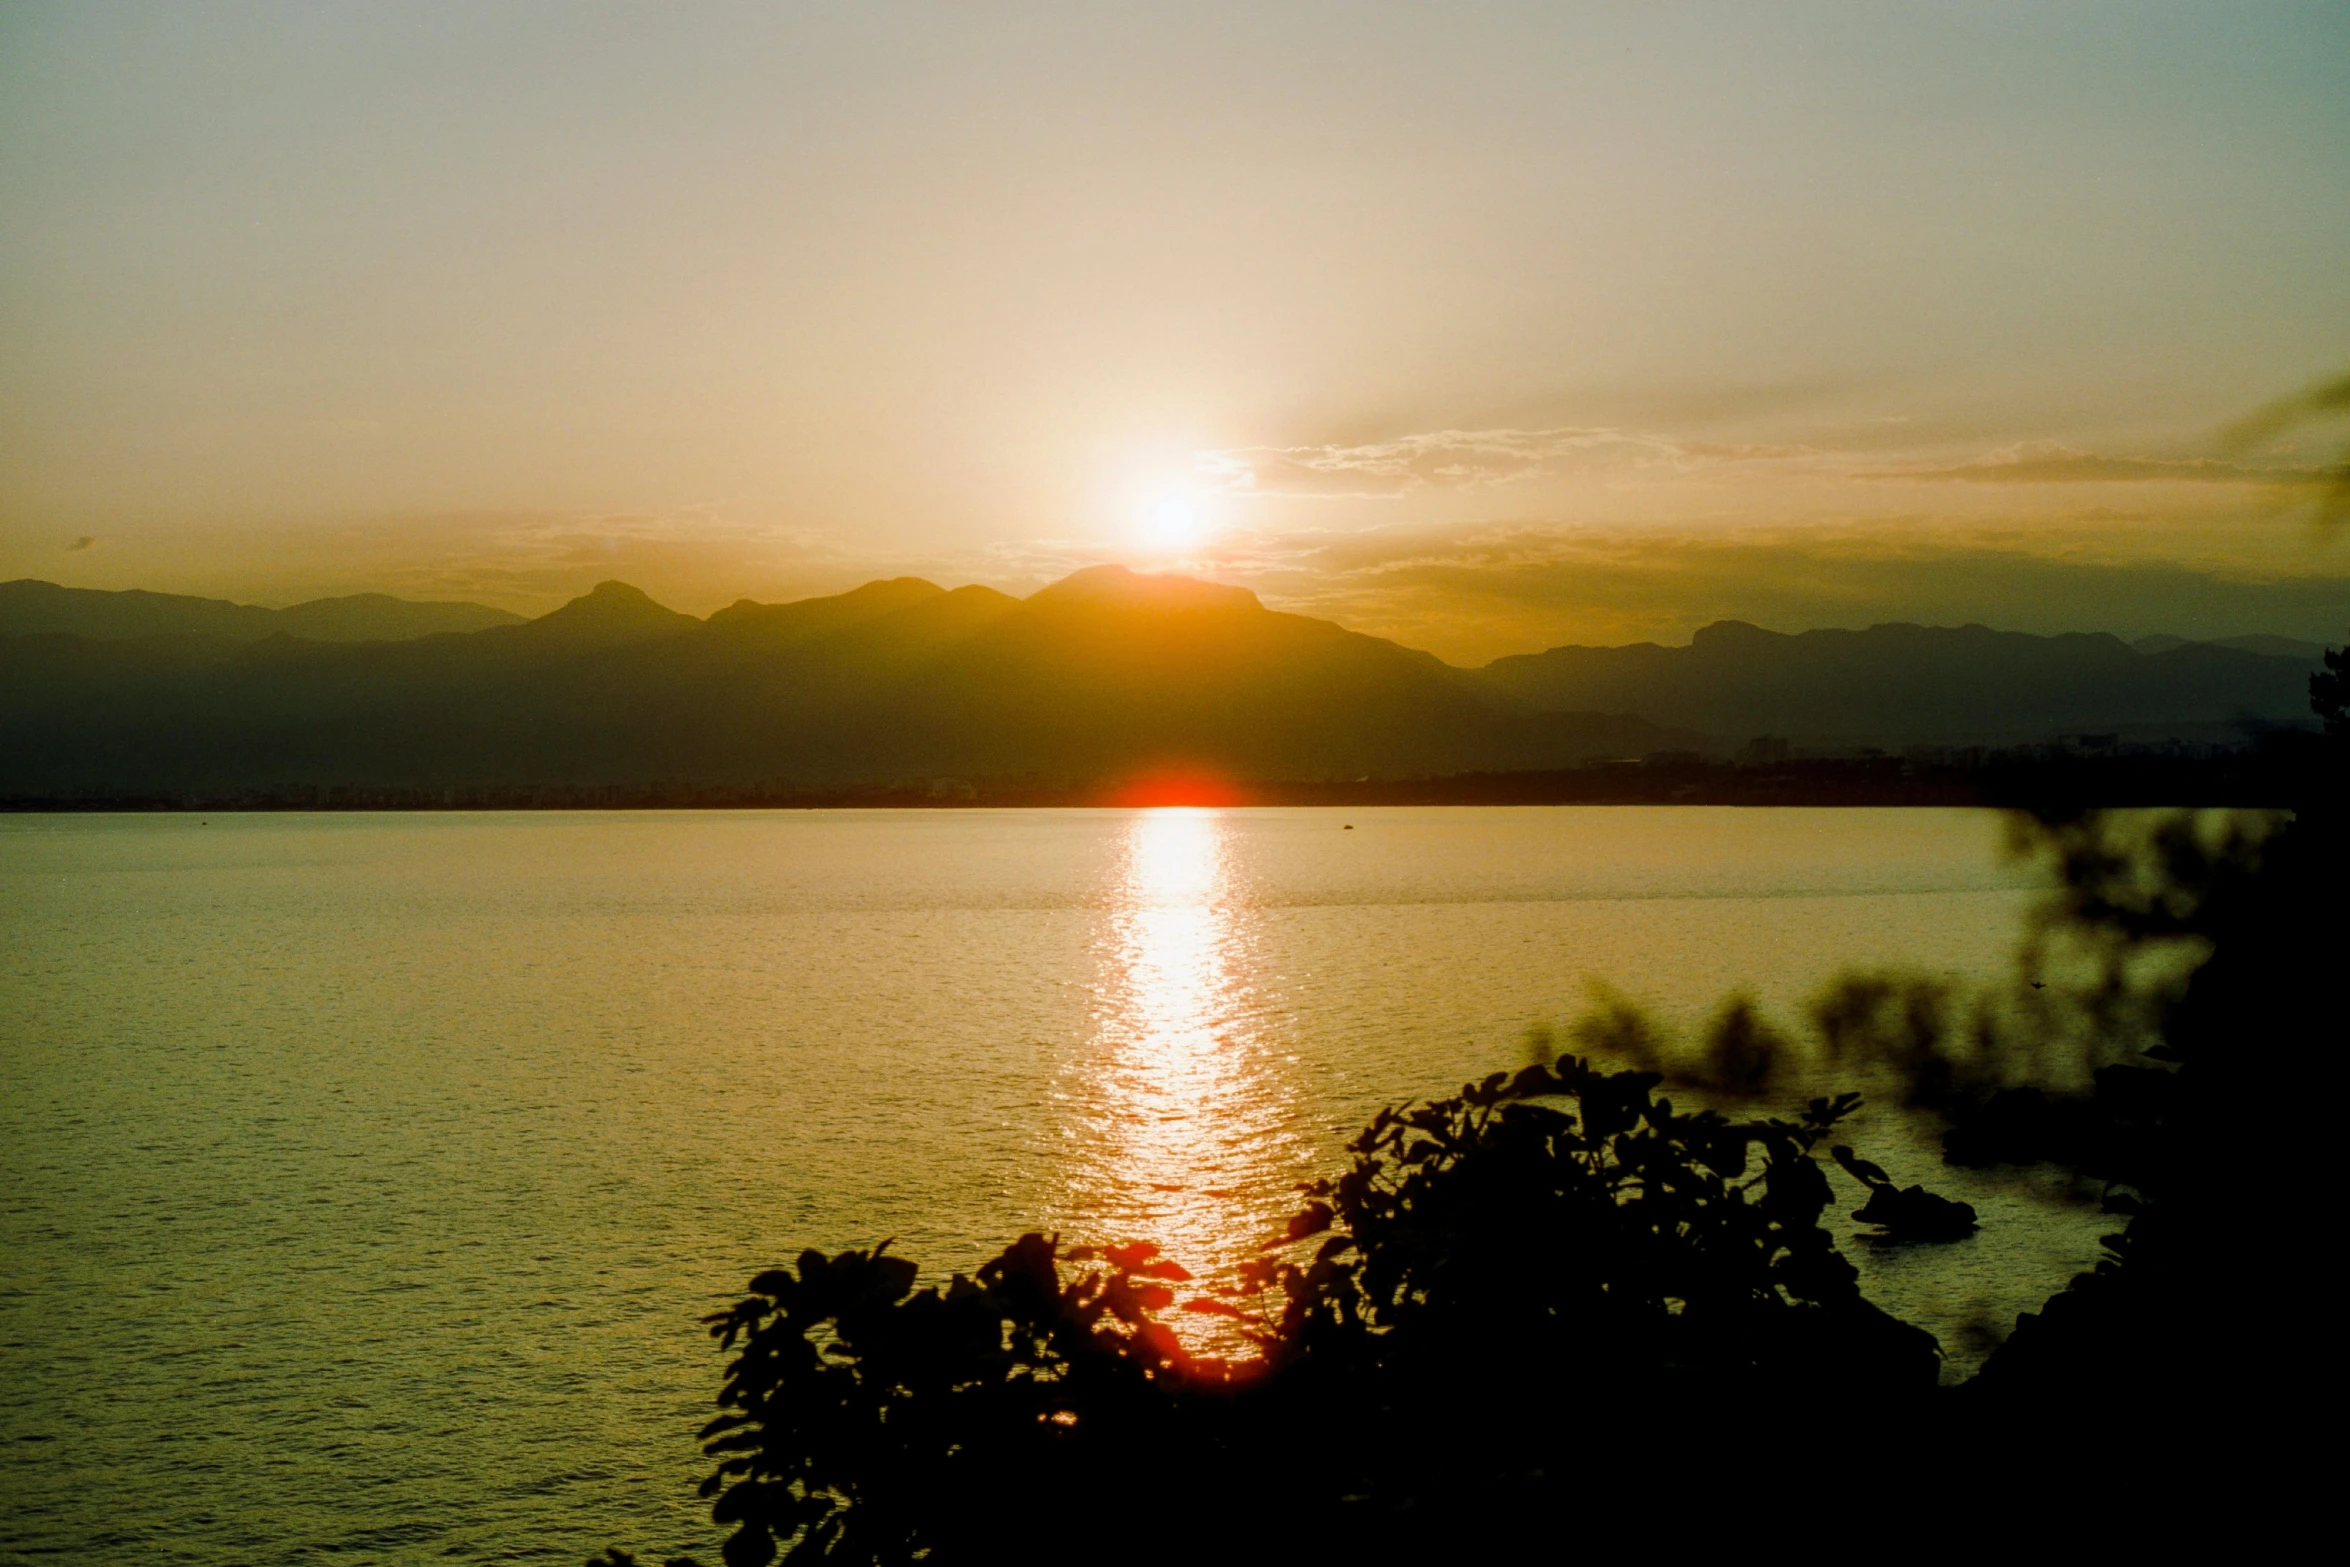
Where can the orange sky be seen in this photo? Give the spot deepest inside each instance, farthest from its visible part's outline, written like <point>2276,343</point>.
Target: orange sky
<point>1492,327</point>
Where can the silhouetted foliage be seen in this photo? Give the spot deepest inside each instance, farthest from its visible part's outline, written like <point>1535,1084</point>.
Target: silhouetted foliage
<point>2193,1323</point>
<point>2023,1126</point>
<point>870,1421</point>
<point>1905,1213</point>
<point>2329,691</point>
<point>1572,1204</point>
<point>1566,1234</point>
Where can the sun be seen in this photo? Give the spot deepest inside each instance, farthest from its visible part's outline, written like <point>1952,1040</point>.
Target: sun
<point>1173,522</point>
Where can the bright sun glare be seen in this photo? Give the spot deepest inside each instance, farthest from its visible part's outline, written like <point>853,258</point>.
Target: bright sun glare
<point>1174,522</point>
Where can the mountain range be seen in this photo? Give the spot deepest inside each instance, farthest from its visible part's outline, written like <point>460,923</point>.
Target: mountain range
<point>1105,675</point>
<point>1903,684</point>
<point>28,608</point>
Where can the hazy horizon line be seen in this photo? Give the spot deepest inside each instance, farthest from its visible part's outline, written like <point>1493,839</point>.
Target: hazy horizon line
<point>1783,628</point>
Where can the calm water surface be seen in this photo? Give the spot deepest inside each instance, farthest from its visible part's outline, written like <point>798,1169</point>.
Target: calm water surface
<point>362,1177</point>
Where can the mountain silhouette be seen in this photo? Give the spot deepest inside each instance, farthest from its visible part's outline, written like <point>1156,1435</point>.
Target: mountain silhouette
<point>2275,647</point>
<point>612,614</point>
<point>30,607</point>
<point>1923,684</point>
<point>1105,675</point>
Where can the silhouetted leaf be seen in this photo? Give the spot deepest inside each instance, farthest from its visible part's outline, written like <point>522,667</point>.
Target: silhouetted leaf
<point>1860,1169</point>
<point>1130,1256</point>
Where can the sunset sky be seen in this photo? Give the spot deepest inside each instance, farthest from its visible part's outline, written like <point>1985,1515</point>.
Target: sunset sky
<point>1483,326</point>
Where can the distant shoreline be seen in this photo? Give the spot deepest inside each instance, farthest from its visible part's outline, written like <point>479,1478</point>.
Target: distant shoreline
<point>2253,778</point>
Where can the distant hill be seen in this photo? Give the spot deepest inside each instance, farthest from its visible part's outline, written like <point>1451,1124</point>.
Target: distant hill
<point>2274,647</point>
<point>29,607</point>
<point>1920,684</point>
<point>1104,675</point>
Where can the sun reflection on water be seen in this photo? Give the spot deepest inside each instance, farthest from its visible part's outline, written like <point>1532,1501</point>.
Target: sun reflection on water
<point>1182,1124</point>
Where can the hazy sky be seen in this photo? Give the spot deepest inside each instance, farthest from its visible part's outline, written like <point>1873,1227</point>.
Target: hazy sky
<point>1487,324</point>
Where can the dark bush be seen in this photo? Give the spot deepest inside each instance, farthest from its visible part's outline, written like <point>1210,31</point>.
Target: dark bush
<point>1558,1241</point>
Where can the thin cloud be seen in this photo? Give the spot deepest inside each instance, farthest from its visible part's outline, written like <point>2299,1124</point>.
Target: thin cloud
<point>86,541</point>
<point>2051,464</point>
<point>1467,460</point>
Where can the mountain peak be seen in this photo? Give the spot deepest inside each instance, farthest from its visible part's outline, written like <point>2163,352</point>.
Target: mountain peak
<point>1733,633</point>
<point>833,612</point>
<point>615,591</point>
<point>1124,587</point>
<point>611,612</point>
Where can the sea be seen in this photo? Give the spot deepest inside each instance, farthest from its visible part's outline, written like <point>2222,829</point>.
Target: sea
<point>364,1178</point>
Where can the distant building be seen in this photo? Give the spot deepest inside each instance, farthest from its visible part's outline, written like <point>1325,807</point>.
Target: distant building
<point>1763,751</point>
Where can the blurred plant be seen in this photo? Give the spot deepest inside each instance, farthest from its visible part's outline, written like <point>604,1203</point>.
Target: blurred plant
<point>2202,1301</point>
<point>2329,693</point>
<point>1614,1028</point>
<point>1740,1057</point>
<point>2326,402</point>
<point>1742,1052</point>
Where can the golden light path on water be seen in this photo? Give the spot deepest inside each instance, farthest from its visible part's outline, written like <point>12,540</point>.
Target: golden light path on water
<point>1183,1125</point>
